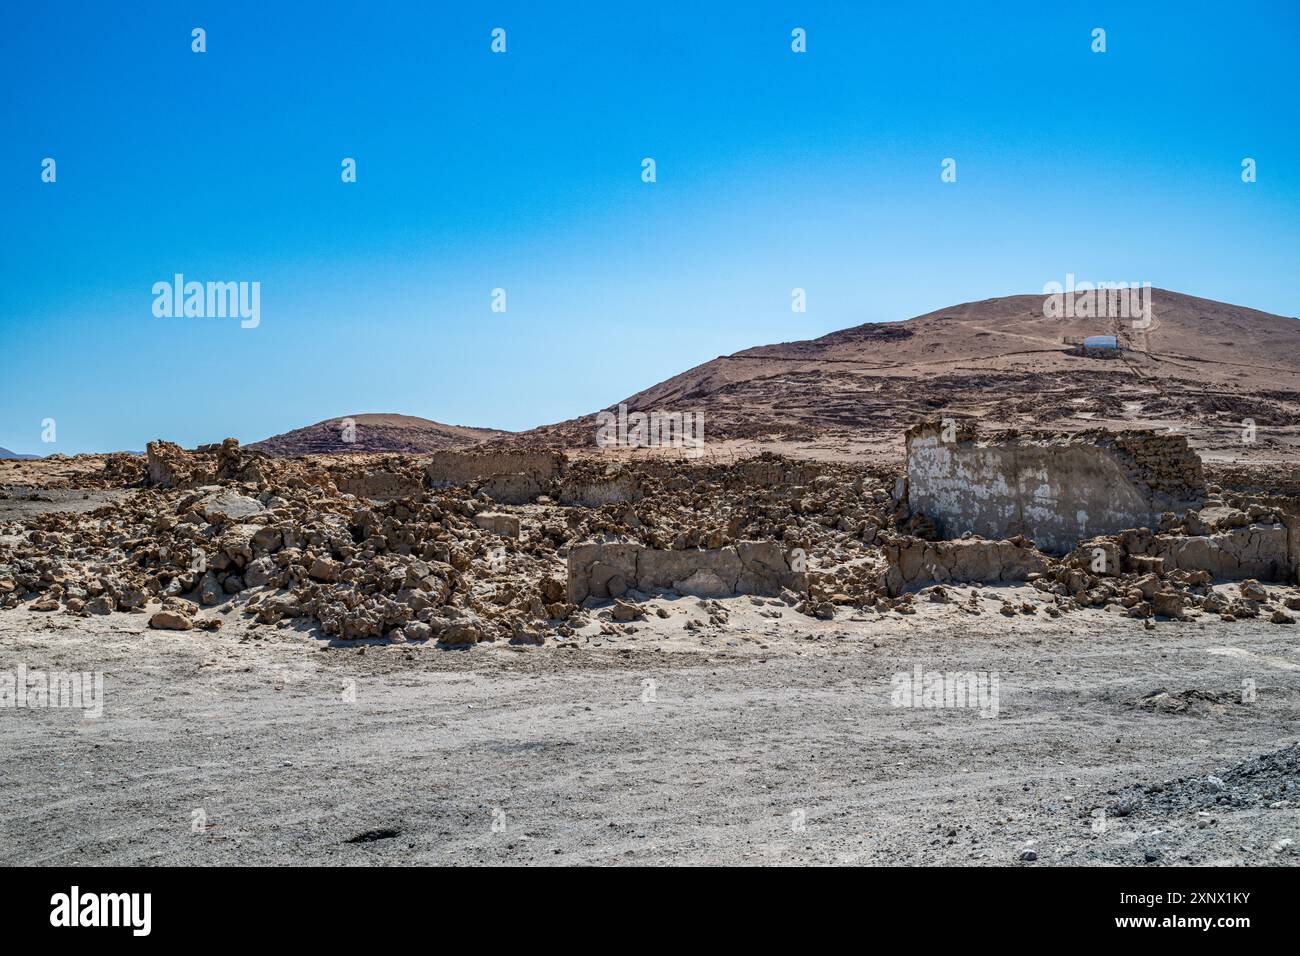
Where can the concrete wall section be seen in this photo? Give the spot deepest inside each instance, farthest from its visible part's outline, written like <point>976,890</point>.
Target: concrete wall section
<point>508,477</point>
<point>447,468</point>
<point>603,571</point>
<point>1055,490</point>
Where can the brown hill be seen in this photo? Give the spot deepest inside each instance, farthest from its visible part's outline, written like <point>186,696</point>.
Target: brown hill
<point>374,433</point>
<point>1202,367</point>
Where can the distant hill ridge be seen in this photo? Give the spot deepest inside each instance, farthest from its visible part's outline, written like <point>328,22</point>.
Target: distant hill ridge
<point>1208,369</point>
<point>374,433</point>
<point>14,456</point>
<point>1202,366</point>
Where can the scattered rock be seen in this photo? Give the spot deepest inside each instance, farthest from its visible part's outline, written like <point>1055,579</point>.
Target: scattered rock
<point>170,620</point>
<point>624,611</point>
<point>1252,590</point>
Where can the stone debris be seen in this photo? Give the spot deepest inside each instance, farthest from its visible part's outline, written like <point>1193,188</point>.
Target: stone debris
<point>171,620</point>
<point>914,562</point>
<point>1269,781</point>
<point>459,548</point>
<point>1195,702</point>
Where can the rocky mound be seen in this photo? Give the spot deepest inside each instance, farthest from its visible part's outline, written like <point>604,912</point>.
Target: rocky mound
<point>371,434</point>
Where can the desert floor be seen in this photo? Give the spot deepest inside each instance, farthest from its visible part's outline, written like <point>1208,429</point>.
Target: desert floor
<point>765,738</point>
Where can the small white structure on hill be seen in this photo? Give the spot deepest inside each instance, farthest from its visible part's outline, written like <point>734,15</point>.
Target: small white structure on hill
<point>1100,342</point>
<point>1094,343</point>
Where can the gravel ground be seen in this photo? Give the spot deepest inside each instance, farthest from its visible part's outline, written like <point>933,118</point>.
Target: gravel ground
<point>764,739</point>
<point>19,502</point>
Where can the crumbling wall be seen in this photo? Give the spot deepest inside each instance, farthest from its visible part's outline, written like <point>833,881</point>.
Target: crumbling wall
<point>594,484</point>
<point>610,570</point>
<point>168,465</point>
<point>171,466</point>
<point>1288,513</point>
<point>774,471</point>
<point>1054,489</point>
<point>1226,553</point>
<point>914,563</point>
<point>447,468</point>
<point>506,476</point>
<point>1279,479</point>
<point>1257,551</point>
<point>379,484</point>
<point>597,494</point>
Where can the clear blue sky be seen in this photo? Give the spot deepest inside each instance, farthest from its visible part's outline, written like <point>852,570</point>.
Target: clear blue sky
<point>523,171</point>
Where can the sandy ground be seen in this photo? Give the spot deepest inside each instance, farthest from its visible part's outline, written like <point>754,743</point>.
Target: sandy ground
<point>765,738</point>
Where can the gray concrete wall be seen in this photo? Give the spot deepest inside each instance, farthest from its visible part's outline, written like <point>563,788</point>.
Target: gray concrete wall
<point>1054,490</point>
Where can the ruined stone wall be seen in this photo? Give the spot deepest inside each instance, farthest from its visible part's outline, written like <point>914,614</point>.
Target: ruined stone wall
<point>595,482</point>
<point>1289,512</point>
<point>379,484</point>
<point>446,468</point>
<point>1054,489</point>
<point>610,570</point>
<point>598,492</point>
<point>775,472</point>
<point>168,465</point>
<point>1163,463</point>
<point>508,477</point>
<point>1273,478</point>
<point>1259,551</point>
<point>1226,551</point>
<point>1256,551</point>
<point>914,563</point>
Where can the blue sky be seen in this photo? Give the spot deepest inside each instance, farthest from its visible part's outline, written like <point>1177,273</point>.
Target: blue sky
<point>523,171</point>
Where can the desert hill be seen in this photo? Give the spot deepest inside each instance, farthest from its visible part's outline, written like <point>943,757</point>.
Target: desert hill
<point>1201,367</point>
<point>374,433</point>
<point>6,453</point>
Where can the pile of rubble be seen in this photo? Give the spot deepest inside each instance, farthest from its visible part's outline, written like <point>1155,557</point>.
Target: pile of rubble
<point>462,547</point>
<point>221,522</point>
<point>375,547</point>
